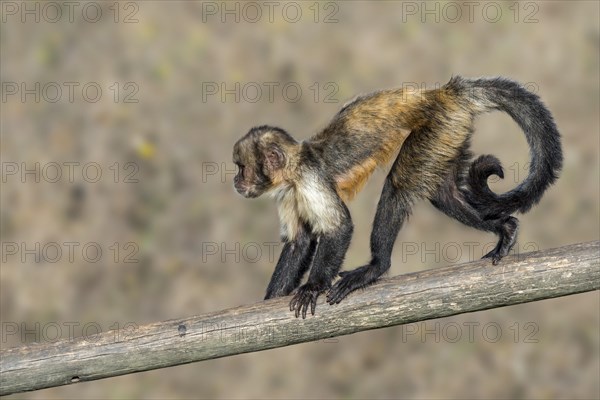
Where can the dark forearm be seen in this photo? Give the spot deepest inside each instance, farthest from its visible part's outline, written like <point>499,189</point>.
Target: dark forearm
<point>330,256</point>
<point>293,263</point>
<point>326,265</point>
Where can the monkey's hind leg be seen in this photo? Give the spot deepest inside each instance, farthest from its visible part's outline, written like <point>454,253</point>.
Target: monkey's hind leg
<point>450,200</point>
<point>413,175</point>
<point>507,230</point>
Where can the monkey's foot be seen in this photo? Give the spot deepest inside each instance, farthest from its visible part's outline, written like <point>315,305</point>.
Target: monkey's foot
<point>508,237</point>
<point>351,280</point>
<point>494,255</point>
<point>306,295</point>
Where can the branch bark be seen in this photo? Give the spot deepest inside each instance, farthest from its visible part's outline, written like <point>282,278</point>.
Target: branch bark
<point>404,299</point>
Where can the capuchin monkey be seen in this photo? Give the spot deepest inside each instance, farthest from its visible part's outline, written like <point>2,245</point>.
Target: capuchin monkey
<point>429,132</point>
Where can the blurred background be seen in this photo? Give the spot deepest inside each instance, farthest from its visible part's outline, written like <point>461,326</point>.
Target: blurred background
<point>117,206</point>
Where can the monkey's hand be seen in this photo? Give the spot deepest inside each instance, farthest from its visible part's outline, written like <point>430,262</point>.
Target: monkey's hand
<point>306,295</point>
<point>351,280</point>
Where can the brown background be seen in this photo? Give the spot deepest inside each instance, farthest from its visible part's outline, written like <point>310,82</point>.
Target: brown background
<point>181,221</point>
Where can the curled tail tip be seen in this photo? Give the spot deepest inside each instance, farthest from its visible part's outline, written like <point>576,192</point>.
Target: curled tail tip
<point>484,167</point>
<point>478,193</point>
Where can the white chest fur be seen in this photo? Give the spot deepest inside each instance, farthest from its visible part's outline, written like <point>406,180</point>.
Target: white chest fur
<point>310,201</point>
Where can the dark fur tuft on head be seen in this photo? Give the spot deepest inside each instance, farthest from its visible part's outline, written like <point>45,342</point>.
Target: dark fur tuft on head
<point>280,133</point>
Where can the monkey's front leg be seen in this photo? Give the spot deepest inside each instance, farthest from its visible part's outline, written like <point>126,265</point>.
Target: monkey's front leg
<point>392,211</point>
<point>328,259</point>
<point>293,263</point>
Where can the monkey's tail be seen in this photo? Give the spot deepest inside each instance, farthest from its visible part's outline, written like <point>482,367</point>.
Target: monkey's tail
<point>528,111</point>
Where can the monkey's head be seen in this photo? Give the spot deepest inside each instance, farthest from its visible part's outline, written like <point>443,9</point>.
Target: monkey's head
<point>263,156</point>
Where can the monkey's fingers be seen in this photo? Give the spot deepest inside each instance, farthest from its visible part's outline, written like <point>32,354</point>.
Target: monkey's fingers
<point>351,280</point>
<point>311,301</point>
<point>338,295</point>
<point>305,307</point>
<point>298,308</point>
<point>294,302</point>
<point>300,305</point>
<point>298,302</point>
<point>313,304</point>
<point>339,291</point>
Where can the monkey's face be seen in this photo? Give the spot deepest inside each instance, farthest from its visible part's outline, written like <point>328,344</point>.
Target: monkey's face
<point>250,180</point>
<point>260,158</point>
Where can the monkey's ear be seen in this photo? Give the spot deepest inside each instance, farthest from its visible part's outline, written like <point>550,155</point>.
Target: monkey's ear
<point>275,157</point>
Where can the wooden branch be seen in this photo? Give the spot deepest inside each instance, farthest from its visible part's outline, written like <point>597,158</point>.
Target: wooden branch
<point>407,298</point>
